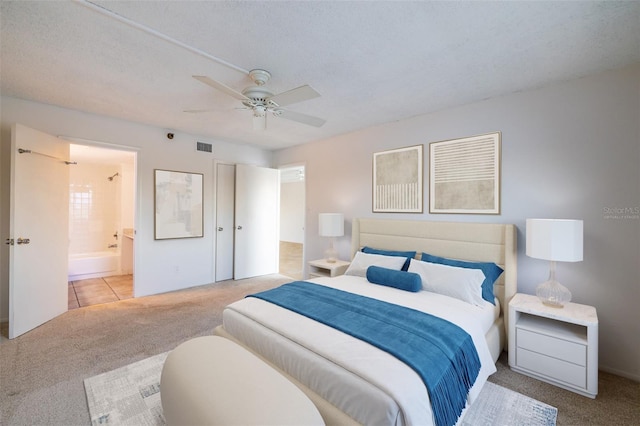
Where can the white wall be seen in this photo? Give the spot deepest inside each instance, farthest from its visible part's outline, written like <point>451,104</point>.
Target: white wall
<point>571,150</point>
<point>160,266</point>
<point>292,212</point>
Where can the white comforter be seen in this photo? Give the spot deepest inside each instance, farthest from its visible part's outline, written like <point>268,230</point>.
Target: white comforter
<point>368,384</point>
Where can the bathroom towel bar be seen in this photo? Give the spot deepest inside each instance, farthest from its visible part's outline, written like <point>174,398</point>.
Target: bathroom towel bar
<point>28,151</point>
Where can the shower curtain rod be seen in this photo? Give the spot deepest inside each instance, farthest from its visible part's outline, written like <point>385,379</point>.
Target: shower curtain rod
<point>28,151</point>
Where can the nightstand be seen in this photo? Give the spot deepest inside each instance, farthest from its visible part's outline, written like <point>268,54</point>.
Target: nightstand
<point>555,345</point>
<point>322,268</point>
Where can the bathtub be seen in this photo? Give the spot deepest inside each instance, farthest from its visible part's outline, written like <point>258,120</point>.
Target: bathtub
<point>93,265</point>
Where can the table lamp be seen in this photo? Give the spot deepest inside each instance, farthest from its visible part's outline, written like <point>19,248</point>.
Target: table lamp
<point>556,240</point>
<point>331,225</point>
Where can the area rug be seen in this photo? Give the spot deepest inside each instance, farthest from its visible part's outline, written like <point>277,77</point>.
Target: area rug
<point>130,395</point>
<point>498,406</point>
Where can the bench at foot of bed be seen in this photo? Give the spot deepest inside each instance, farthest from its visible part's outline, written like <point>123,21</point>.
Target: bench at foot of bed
<point>212,380</point>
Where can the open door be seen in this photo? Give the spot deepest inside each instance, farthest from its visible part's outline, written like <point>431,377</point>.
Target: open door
<point>225,211</point>
<point>39,229</point>
<point>257,221</point>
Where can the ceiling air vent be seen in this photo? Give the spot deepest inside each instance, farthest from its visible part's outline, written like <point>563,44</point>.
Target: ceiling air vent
<point>204,147</point>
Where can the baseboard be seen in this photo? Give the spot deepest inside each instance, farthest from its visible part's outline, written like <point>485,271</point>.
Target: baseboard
<point>625,374</point>
<point>79,277</point>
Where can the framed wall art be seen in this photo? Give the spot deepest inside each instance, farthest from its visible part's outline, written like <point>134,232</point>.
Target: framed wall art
<point>464,175</point>
<point>397,180</point>
<point>178,205</point>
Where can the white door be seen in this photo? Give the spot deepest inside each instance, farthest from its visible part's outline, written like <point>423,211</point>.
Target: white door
<point>257,221</point>
<point>225,207</point>
<point>39,227</point>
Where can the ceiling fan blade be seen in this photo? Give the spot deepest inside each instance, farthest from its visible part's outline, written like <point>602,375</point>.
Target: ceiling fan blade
<point>259,122</point>
<point>292,96</point>
<point>220,86</point>
<point>301,118</point>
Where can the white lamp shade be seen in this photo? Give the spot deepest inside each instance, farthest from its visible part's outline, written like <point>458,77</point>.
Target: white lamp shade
<point>555,239</point>
<point>331,224</point>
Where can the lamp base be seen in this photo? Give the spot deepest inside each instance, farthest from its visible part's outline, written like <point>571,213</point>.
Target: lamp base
<point>554,294</point>
<point>331,255</point>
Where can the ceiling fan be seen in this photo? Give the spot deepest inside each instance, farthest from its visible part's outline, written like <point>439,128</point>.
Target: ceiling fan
<point>261,101</point>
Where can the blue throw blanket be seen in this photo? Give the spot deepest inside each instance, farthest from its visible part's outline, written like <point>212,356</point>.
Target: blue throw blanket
<point>442,353</point>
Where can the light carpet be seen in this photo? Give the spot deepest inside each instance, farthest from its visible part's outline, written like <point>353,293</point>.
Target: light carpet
<point>130,395</point>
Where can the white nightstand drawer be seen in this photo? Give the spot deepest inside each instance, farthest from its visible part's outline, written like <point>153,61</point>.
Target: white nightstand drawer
<point>557,348</point>
<point>552,368</point>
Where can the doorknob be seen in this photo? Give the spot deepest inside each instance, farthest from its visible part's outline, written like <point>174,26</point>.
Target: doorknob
<point>239,228</point>
<point>23,240</point>
<point>220,228</point>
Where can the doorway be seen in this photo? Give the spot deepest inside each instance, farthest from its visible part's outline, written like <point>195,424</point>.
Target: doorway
<point>101,225</point>
<point>225,220</point>
<point>292,220</point>
<point>39,211</point>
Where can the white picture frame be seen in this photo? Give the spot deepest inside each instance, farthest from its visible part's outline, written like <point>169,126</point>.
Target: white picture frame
<point>178,205</point>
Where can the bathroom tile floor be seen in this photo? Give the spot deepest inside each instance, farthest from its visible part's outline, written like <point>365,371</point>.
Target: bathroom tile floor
<point>94,291</point>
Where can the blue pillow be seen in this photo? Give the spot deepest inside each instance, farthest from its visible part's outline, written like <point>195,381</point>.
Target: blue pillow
<point>408,254</point>
<point>402,280</point>
<point>491,272</point>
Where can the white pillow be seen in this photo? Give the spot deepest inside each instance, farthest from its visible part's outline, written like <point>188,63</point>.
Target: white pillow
<point>361,261</point>
<point>462,283</point>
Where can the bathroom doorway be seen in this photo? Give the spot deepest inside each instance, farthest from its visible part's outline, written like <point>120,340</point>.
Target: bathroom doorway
<point>101,225</point>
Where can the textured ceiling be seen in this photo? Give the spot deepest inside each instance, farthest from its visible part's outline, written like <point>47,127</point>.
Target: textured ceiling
<point>373,62</point>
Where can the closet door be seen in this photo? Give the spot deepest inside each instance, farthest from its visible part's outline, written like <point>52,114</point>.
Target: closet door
<point>225,210</point>
<point>256,221</point>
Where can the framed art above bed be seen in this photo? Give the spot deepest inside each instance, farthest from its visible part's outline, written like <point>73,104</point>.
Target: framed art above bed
<point>397,180</point>
<point>464,175</point>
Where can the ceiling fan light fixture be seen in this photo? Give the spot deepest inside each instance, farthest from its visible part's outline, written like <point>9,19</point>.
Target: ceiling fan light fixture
<point>259,123</point>
<point>259,111</point>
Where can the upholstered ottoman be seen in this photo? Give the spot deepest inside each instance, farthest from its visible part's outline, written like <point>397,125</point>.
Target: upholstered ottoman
<point>213,381</point>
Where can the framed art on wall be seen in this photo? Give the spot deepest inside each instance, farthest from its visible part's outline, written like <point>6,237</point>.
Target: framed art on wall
<point>464,175</point>
<point>397,180</point>
<point>178,205</point>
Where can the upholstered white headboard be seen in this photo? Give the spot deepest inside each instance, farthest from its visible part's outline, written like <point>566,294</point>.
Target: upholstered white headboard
<point>479,242</point>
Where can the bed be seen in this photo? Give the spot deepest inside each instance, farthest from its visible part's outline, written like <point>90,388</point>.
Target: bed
<point>352,382</point>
